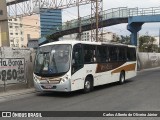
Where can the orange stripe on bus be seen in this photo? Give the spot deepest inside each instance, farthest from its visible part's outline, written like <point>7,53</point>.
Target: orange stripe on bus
<point>130,67</point>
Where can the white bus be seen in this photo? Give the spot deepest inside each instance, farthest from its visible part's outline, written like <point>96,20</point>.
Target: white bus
<point>73,65</point>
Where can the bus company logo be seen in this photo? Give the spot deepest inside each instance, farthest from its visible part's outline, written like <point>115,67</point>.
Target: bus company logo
<point>48,81</point>
<point>6,114</point>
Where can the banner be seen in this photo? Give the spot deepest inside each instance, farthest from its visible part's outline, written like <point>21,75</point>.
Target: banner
<point>12,70</point>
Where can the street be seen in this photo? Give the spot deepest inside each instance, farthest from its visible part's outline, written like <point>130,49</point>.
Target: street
<point>141,93</point>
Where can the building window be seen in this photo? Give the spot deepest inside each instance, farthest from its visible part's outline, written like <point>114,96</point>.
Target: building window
<point>10,26</point>
<point>15,19</point>
<point>11,33</point>
<point>16,33</point>
<point>11,41</point>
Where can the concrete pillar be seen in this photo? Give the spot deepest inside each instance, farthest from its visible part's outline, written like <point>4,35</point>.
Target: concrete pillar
<point>134,28</point>
<point>134,38</point>
<point>4,32</point>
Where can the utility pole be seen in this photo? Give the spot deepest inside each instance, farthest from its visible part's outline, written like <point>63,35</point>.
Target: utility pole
<point>96,14</point>
<point>97,21</point>
<point>79,21</point>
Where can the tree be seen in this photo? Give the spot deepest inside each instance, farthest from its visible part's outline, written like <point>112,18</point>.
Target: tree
<point>125,39</point>
<point>146,44</point>
<point>122,39</point>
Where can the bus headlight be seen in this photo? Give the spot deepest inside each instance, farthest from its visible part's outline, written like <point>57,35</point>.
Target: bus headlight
<point>64,79</point>
<point>36,79</point>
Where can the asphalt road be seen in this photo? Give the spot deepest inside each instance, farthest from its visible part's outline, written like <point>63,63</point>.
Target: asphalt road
<point>141,93</point>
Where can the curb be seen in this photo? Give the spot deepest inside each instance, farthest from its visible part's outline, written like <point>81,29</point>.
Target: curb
<point>149,69</point>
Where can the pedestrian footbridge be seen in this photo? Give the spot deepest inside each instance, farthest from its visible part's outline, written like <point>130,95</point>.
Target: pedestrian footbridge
<point>135,17</point>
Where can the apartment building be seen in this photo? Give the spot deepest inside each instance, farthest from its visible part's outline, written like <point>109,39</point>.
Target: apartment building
<point>16,37</point>
<point>23,29</point>
<point>86,36</point>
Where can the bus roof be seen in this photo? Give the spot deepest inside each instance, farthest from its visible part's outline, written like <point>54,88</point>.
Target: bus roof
<point>73,42</point>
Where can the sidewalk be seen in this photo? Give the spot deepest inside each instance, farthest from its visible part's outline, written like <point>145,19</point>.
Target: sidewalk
<point>11,93</point>
<point>148,69</point>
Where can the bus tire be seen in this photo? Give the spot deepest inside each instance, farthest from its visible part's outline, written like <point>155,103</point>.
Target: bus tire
<point>88,86</point>
<point>122,77</point>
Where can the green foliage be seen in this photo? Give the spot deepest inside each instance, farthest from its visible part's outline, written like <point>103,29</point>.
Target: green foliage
<point>146,44</point>
<point>125,39</point>
<point>122,39</point>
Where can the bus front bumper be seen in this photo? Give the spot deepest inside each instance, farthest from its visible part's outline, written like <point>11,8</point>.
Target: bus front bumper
<point>61,87</point>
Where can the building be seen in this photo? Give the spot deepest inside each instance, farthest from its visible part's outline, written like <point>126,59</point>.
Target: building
<point>109,36</point>
<point>70,37</point>
<point>86,36</point>
<point>15,32</point>
<point>31,28</point>
<point>21,30</point>
<point>50,20</point>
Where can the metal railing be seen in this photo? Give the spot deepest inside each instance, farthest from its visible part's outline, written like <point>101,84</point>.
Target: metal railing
<point>121,12</point>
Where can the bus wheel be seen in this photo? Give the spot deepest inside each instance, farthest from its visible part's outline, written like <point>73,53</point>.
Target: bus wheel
<point>88,85</point>
<point>122,77</point>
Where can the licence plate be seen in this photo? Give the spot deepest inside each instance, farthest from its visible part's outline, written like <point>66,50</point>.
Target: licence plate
<point>48,86</point>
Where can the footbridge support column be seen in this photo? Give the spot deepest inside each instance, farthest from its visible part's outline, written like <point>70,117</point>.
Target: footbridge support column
<point>134,28</point>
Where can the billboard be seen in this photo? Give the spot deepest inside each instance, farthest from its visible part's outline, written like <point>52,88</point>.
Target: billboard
<point>12,70</point>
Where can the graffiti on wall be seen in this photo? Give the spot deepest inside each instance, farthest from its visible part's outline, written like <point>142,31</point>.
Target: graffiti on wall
<point>12,70</point>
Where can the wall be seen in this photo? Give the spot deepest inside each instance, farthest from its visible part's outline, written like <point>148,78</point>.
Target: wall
<point>148,60</point>
<point>16,68</point>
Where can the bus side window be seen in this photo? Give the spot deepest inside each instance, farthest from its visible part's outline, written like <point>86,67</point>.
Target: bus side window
<point>131,54</point>
<point>113,53</point>
<point>102,54</point>
<point>89,54</point>
<point>122,54</point>
<point>77,58</point>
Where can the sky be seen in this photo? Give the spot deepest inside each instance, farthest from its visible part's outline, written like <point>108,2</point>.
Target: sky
<point>148,28</point>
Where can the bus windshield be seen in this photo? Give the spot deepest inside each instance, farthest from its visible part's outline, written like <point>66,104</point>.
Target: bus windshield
<point>52,60</point>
